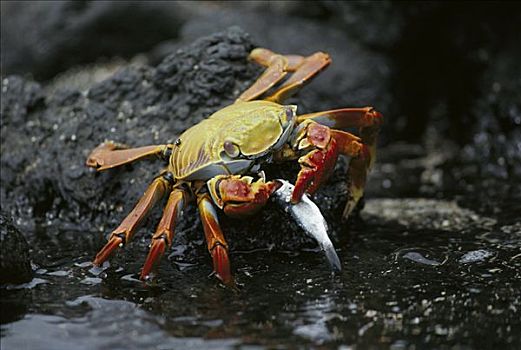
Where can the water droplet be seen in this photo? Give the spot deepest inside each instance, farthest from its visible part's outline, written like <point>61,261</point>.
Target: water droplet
<point>479,255</point>
<point>130,277</point>
<point>417,257</point>
<point>83,264</point>
<point>91,280</point>
<point>97,270</point>
<point>59,273</point>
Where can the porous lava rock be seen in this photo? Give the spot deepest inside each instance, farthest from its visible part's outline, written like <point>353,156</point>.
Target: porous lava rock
<point>15,265</point>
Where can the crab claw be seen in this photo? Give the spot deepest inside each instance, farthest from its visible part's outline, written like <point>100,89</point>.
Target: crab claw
<point>157,249</point>
<point>318,164</point>
<point>115,242</point>
<point>310,219</point>
<point>239,196</point>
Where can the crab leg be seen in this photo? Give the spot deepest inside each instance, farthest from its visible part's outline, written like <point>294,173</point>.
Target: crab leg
<point>345,118</point>
<point>360,167</point>
<point>215,241</point>
<point>277,69</point>
<point>110,155</point>
<point>278,66</point>
<point>264,56</point>
<point>308,69</point>
<point>162,239</point>
<point>124,232</point>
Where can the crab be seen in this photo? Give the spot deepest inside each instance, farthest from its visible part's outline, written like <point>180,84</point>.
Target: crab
<point>217,163</point>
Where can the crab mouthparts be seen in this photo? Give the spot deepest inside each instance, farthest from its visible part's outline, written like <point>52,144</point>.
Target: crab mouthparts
<point>308,216</point>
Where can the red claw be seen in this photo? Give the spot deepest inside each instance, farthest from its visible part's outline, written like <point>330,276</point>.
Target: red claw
<point>317,165</point>
<point>305,176</point>
<point>249,199</point>
<point>329,159</point>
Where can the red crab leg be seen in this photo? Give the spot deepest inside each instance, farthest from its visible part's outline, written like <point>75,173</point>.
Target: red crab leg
<point>345,118</point>
<point>264,56</point>
<point>309,68</point>
<point>109,154</point>
<point>359,168</point>
<point>126,229</point>
<point>278,66</point>
<point>162,239</point>
<point>215,241</point>
<point>274,73</point>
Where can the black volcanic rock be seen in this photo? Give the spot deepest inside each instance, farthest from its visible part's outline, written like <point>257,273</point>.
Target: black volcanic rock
<point>15,265</point>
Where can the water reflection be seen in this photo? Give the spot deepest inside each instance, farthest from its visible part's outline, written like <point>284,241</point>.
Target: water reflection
<point>398,286</point>
<point>315,314</point>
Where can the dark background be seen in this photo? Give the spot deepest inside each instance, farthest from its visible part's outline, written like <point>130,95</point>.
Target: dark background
<point>439,63</point>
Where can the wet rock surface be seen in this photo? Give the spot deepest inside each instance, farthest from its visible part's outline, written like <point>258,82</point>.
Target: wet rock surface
<point>421,213</point>
<point>15,264</point>
<point>432,261</point>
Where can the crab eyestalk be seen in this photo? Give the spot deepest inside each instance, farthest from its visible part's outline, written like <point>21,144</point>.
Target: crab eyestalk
<point>308,216</point>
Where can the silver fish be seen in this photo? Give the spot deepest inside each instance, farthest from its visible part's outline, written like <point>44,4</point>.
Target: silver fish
<point>310,219</point>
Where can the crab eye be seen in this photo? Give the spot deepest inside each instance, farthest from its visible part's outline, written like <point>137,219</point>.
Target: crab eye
<point>231,149</point>
<point>289,113</point>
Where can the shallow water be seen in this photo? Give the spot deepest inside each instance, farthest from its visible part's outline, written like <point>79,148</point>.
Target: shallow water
<point>401,286</point>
